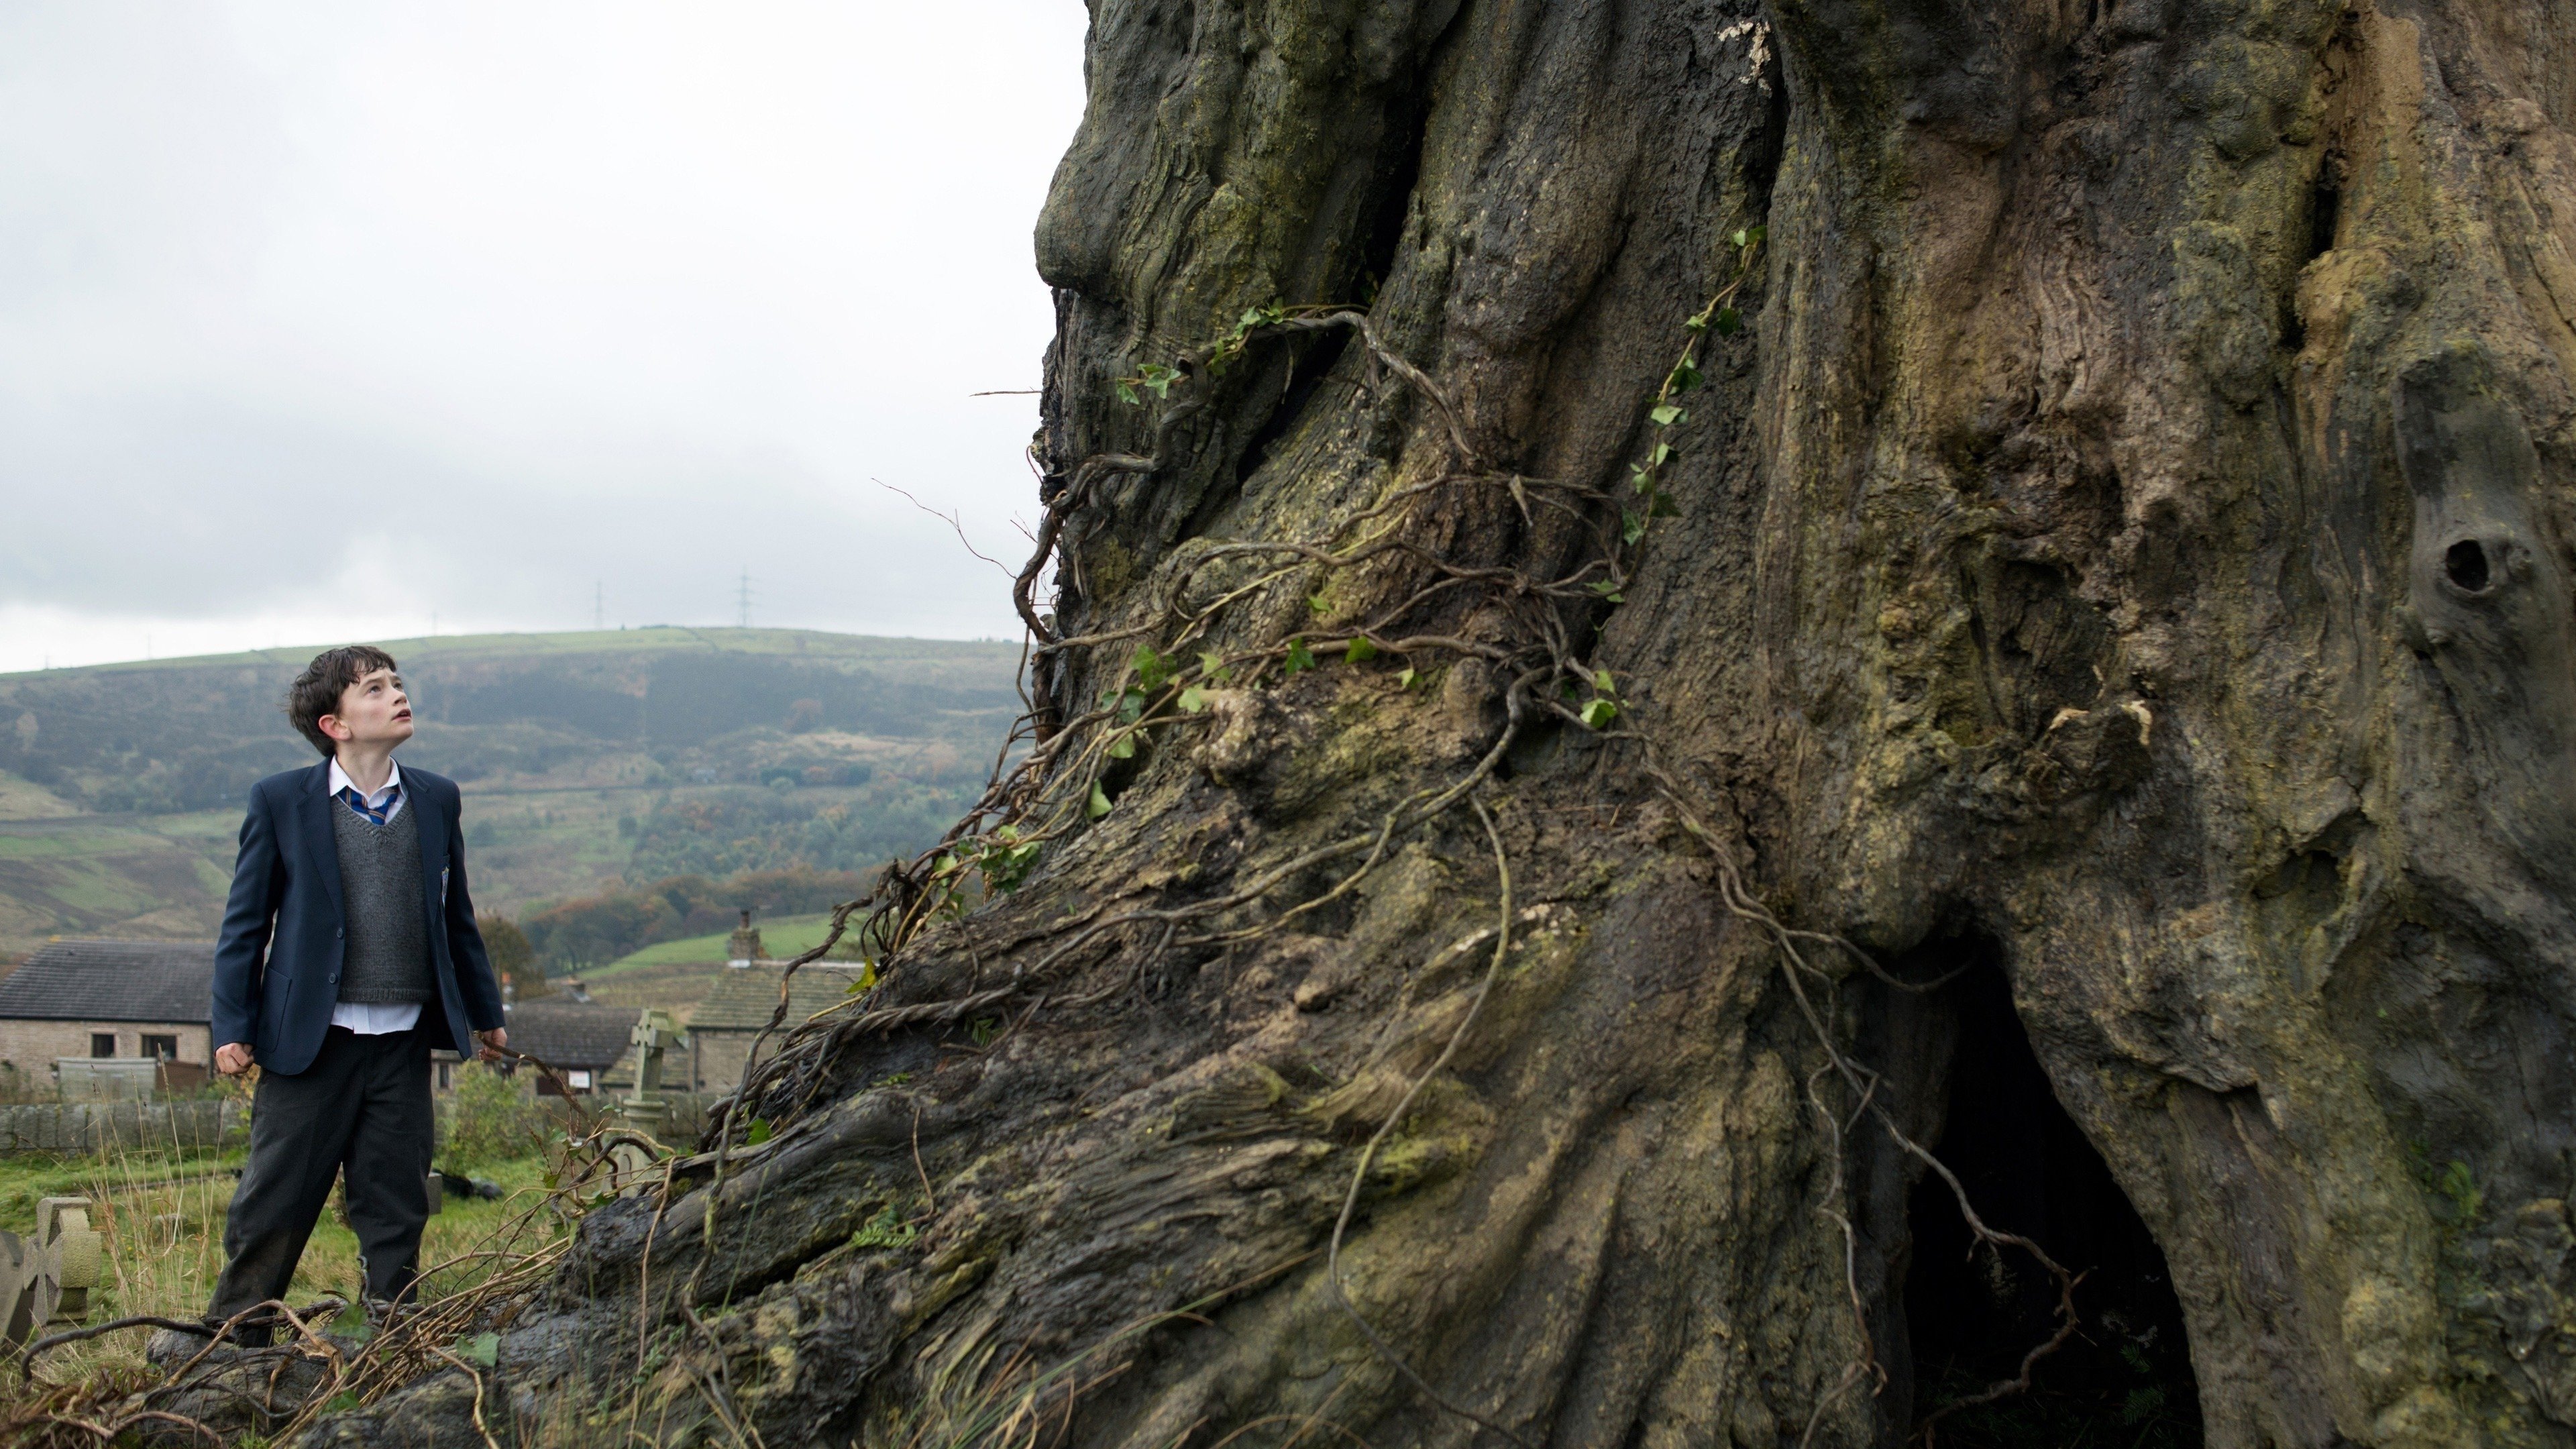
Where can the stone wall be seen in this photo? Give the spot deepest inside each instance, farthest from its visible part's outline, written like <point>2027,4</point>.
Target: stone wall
<point>85,1127</point>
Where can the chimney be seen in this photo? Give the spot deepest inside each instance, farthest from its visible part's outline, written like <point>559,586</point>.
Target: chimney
<point>744,946</point>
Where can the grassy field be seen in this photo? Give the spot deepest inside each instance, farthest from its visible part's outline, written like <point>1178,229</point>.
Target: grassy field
<point>676,975</point>
<point>161,1217</point>
<point>782,937</point>
<point>158,877</point>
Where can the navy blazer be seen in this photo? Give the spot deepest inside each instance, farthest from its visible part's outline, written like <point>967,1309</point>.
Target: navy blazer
<point>277,967</point>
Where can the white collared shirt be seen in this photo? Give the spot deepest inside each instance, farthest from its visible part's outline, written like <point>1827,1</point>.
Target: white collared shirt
<point>374,1018</point>
<point>389,791</point>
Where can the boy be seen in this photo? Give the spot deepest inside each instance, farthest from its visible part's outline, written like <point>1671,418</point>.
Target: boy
<point>348,953</point>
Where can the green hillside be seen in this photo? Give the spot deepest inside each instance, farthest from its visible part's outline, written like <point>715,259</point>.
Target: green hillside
<point>781,937</point>
<point>676,975</point>
<point>586,759</point>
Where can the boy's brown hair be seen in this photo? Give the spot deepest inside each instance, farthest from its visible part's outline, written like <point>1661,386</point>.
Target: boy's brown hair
<point>316,692</point>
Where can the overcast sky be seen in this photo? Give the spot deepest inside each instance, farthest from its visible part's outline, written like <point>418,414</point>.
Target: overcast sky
<point>318,320</point>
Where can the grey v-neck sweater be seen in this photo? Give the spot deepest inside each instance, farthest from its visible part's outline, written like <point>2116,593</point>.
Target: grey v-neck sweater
<point>387,961</point>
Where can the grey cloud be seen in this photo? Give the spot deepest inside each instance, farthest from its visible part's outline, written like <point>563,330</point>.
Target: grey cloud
<point>465,309</point>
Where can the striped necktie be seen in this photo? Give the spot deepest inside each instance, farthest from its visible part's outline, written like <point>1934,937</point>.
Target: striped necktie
<point>374,816</point>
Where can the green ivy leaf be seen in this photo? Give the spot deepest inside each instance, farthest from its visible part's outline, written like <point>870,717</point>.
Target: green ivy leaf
<point>1300,658</point>
<point>1098,804</point>
<point>758,1134</point>
<point>482,1350</point>
<point>1315,605</point>
<point>1193,699</point>
<point>1656,459</point>
<point>1729,322</point>
<point>1153,671</point>
<point>1632,526</point>
<point>1602,683</point>
<point>1127,395</point>
<point>1598,714</point>
<point>1405,677</point>
<point>1665,415</point>
<point>1213,666</point>
<point>1607,590</point>
<point>1661,506</point>
<point>1360,652</point>
<point>1684,378</point>
<point>1123,747</point>
<point>1638,478</point>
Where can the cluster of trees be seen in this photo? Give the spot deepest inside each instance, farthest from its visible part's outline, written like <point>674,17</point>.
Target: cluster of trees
<point>602,928</point>
<point>728,832</point>
<point>514,959</point>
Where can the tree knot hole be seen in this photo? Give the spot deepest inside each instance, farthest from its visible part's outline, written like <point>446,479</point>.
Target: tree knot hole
<point>2465,564</point>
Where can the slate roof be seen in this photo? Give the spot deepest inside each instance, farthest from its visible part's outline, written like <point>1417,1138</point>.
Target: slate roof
<point>568,1034</point>
<point>162,981</point>
<point>743,997</point>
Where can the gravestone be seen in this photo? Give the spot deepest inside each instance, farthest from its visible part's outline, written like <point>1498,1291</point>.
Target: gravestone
<point>45,1279</point>
<point>643,1109</point>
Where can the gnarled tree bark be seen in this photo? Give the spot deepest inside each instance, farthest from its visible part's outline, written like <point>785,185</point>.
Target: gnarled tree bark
<point>2128,545</point>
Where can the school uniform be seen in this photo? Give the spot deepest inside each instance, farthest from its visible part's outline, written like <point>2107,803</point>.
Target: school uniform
<point>348,954</point>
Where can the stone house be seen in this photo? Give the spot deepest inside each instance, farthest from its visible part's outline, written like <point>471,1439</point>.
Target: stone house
<point>579,1039</point>
<point>739,1004</point>
<point>133,999</point>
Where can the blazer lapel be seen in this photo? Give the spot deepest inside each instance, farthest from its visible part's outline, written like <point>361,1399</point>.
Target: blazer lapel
<point>320,845</point>
<point>432,824</point>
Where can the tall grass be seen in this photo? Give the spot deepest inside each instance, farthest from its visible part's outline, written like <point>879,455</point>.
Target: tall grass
<point>159,1210</point>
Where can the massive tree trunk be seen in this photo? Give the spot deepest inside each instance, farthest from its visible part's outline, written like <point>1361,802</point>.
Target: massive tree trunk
<point>2112,593</point>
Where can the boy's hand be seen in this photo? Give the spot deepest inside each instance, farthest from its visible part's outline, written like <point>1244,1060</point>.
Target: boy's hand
<point>233,1058</point>
<point>494,1041</point>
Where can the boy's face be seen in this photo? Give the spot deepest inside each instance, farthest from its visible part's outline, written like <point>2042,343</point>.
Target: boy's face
<point>373,711</point>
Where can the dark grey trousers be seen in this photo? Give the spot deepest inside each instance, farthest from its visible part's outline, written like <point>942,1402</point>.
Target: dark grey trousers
<point>361,1109</point>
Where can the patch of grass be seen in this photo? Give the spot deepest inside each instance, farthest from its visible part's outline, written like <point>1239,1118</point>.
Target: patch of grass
<point>782,937</point>
<point>161,1216</point>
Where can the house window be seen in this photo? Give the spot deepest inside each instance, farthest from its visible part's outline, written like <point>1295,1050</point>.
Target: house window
<point>165,1048</point>
<point>446,1076</point>
<point>580,1079</point>
<point>102,1043</point>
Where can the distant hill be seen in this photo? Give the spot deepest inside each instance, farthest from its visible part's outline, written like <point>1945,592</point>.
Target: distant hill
<point>586,758</point>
